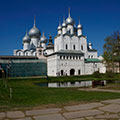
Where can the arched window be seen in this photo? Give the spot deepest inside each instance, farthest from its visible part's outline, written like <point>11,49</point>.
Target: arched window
<point>60,57</point>
<point>73,47</point>
<point>81,47</point>
<point>66,46</point>
<point>79,72</point>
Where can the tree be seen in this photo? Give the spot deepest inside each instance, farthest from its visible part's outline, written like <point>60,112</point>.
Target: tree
<point>112,52</point>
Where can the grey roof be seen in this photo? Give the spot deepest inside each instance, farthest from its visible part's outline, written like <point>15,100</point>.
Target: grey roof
<point>73,52</point>
<point>92,50</point>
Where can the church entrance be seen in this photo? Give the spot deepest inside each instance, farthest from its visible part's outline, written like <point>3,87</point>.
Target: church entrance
<point>72,72</point>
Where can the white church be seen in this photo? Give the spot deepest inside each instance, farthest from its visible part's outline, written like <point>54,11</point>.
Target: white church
<point>69,55</point>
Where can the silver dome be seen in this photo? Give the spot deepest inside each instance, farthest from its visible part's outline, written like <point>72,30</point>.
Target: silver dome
<point>90,44</point>
<point>79,25</point>
<point>34,32</point>
<point>59,27</point>
<point>26,38</point>
<point>69,20</point>
<point>43,39</point>
<point>64,23</point>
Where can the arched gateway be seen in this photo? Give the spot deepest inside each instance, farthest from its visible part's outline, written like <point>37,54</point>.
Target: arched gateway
<point>72,72</point>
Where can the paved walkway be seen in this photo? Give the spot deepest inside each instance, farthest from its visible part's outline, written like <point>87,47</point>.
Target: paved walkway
<point>98,89</point>
<point>104,110</point>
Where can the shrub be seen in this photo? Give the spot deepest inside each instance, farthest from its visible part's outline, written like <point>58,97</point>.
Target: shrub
<point>96,74</point>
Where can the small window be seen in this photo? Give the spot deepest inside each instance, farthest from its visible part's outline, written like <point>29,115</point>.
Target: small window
<point>67,57</point>
<point>60,57</point>
<point>81,47</point>
<point>70,57</point>
<point>19,53</point>
<point>73,47</point>
<point>63,57</point>
<point>66,46</point>
<point>76,57</point>
<point>73,57</point>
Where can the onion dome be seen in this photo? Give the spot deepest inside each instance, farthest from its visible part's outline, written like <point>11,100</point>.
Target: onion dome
<point>79,25</point>
<point>26,38</point>
<point>69,20</point>
<point>64,23</point>
<point>90,44</point>
<point>59,27</point>
<point>43,39</point>
<point>34,32</point>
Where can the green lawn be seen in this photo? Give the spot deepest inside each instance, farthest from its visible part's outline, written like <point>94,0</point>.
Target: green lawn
<point>27,94</point>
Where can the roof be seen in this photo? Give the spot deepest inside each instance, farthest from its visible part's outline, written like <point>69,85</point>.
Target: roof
<point>75,52</point>
<point>18,57</point>
<point>92,60</point>
<point>92,50</point>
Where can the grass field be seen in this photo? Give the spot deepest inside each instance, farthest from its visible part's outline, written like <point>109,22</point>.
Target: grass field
<point>27,94</point>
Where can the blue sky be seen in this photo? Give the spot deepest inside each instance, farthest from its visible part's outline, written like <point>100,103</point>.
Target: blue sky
<point>99,19</point>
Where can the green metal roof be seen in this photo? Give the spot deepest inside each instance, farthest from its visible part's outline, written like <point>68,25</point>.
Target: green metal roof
<point>92,60</point>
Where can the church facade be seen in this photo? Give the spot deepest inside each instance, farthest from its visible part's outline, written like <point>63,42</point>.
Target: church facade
<point>69,55</point>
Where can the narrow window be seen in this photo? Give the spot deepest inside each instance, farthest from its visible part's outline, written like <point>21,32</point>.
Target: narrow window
<point>66,46</point>
<point>81,47</point>
<point>78,72</point>
<point>73,47</point>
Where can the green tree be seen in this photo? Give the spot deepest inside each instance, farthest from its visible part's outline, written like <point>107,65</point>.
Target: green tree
<point>112,51</point>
